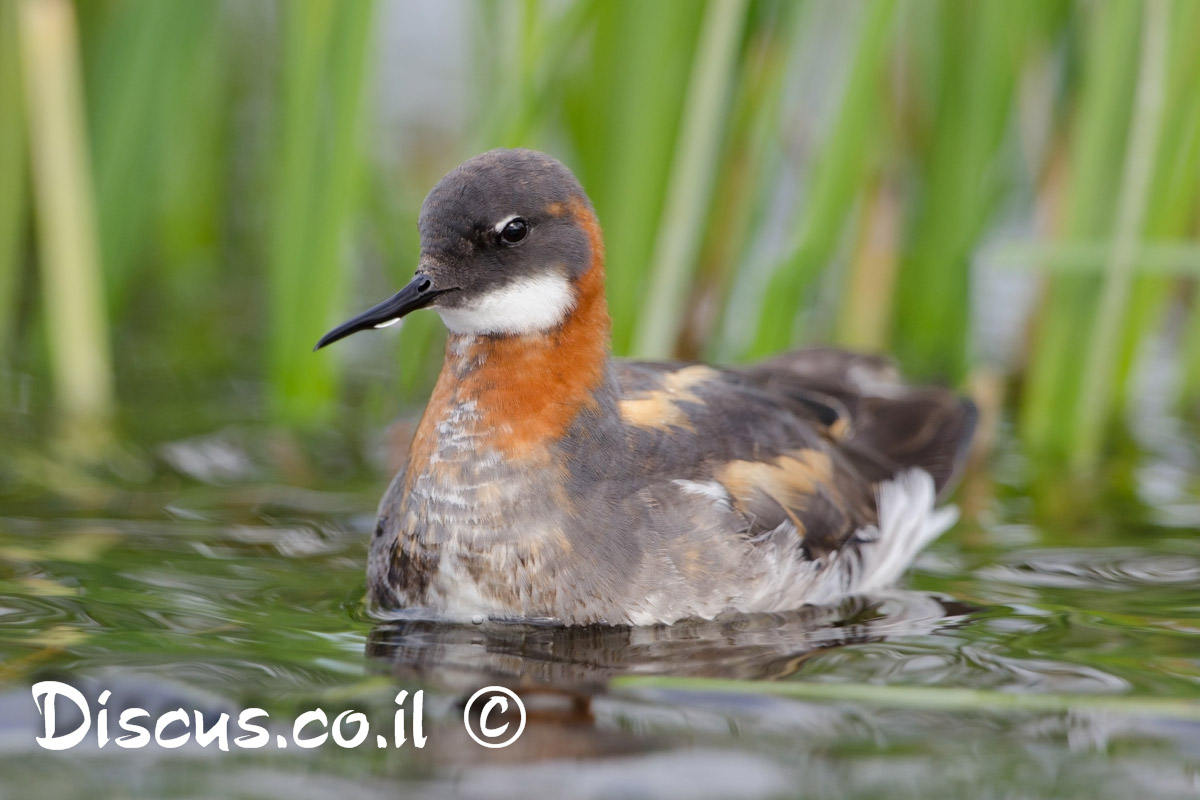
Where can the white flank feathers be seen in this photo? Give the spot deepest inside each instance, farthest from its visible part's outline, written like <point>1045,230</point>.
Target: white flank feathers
<point>908,522</point>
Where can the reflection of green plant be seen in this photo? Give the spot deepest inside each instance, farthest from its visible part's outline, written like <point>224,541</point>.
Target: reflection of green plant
<point>106,599</point>
<point>928,698</point>
<point>767,173</point>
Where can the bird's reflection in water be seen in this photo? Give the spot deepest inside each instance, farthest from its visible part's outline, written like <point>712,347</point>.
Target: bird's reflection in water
<point>558,671</point>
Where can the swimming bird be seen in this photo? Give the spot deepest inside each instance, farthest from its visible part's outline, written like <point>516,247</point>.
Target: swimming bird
<point>548,480</point>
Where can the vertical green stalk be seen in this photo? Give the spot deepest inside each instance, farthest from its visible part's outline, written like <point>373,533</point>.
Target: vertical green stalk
<point>72,287</point>
<point>1171,204</point>
<point>981,48</point>
<point>839,172</point>
<point>1100,124</point>
<point>12,171</point>
<point>691,181</point>
<point>749,178</point>
<point>319,164</point>
<point>1175,196</point>
<point>622,111</point>
<point>305,27</point>
<point>1109,320</point>
<point>522,110</point>
<point>194,170</point>
<point>342,171</point>
<point>513,34</point>
<point>1190,356</point>
<point>140,58</point>
<point>869,297</point>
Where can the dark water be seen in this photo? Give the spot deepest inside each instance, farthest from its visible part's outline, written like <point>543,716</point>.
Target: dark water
<point>196,576</point>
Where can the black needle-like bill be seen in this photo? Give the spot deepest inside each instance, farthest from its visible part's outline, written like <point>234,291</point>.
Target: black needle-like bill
<point>417,294</point>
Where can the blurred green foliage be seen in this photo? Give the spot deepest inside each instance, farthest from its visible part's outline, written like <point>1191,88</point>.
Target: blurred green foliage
<point>768,173</point>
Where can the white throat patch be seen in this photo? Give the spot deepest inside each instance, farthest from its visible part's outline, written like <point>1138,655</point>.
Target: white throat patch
<point>528,305</point>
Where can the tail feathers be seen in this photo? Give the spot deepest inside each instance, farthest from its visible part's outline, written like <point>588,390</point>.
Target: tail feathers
<point>929,429</point>
<point>886,426</point>
<point>908,522</point>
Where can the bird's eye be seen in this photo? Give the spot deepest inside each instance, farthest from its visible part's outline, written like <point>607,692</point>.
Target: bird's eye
<point>514,231</point>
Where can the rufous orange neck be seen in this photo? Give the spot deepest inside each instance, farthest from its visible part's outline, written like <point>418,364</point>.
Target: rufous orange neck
<point>526,390</point>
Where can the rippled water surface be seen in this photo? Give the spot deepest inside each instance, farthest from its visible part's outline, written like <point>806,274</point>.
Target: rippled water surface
<point>205,582</point>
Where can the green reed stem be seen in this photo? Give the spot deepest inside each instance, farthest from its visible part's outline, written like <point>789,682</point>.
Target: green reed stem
<point>319,165</point>
<point>692,175</point>
<point>1109,319</point>
<point>749,175</point>
<point>12,172</point>
<point>622,111</point>
<point>72,287</point>
<point>1189,389</point>
<point>925,698</point>
<point>194,178</point>
<point>1175,196</point>
<point>839,171</point>
<point>141,55</point>
<point>981,48</point>
<point>1170,200</point>
<point>1053,385</point>
<point>1159,257</point>
<point>305,29</point>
